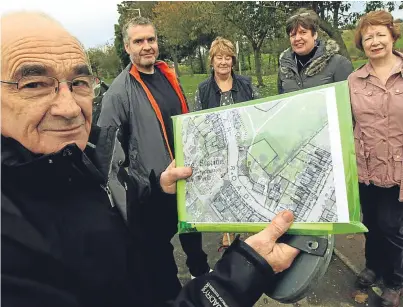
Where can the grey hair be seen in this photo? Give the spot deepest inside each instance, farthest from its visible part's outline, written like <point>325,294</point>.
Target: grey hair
<point>136,21</point>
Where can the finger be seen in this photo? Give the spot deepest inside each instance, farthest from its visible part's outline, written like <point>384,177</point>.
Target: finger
<point>178,173</point>
<point>279,225</point>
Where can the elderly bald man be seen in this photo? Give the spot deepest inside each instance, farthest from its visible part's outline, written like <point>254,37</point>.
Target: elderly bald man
<point>69,210</point>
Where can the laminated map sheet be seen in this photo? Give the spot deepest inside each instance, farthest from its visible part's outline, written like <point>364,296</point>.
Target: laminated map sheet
<point>252,160</point>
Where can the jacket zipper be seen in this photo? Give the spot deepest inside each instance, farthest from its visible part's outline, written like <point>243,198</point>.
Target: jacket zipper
<point>106,186</point>
<point>108,191</point>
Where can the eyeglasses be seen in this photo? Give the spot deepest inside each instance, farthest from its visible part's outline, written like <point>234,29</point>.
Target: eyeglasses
<point>44,87</point>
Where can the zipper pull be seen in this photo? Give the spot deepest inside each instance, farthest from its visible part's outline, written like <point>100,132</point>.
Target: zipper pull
<point>108,191</point>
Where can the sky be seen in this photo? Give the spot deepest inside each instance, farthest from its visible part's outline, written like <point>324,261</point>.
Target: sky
<point>92,21</point>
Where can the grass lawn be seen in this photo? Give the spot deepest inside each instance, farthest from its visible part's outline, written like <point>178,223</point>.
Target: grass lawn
<point>190,84</point>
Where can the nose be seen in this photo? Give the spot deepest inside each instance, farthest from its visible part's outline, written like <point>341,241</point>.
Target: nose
<point>146,45</point>
<point>375,40</point>
<point>64,104</point>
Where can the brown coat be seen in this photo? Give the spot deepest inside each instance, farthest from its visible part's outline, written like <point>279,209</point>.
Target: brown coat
<point>378,131</point>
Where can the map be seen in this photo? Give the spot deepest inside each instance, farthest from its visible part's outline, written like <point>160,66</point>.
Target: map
<point>251,162</point>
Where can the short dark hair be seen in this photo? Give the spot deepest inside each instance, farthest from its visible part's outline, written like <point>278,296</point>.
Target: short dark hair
<point>136,21</point>
<point>305,18</point>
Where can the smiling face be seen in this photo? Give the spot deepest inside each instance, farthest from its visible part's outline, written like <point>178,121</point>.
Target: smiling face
<point>377,42</point>
<point>302,41</point>
<point>222,64</point>
<point>35,47</point>
<point>142,47</point>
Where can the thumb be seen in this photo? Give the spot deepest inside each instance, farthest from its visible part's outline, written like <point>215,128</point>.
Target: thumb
<point>279,225</point>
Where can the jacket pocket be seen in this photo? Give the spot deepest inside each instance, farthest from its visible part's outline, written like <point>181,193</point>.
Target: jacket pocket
<point>366,100</point>
<point>361,155</point>
<point>397,163</point>
<point>377,161</point>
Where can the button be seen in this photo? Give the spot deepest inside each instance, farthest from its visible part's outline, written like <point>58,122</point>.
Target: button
<point>397,156</point>
<point>120,163</point>
<point>50,161</point>
<point>397,91</point>
<point>67,152</point>
<point>299,83</point>
<point>369,93</point>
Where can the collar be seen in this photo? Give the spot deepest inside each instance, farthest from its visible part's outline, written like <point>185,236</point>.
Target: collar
<point>217,88</point>
<point>365,70</point>
<point>96,158</point>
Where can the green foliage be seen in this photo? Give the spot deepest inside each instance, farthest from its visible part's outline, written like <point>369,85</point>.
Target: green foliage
<point>359,63</point>
<point>190,84</point>
<point>257,21</point>
<point>104,61</point>
<point>119,47</point>
<point>270,88</point>
<point>379,5</point>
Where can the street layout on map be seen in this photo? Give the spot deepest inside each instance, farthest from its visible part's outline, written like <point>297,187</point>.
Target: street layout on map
<point>249,163</point>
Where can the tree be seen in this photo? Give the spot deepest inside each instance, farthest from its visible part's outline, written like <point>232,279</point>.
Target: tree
<point>104,61</point>
<point>257,21</point>
<point>380,5</point>
<point>185,26</point>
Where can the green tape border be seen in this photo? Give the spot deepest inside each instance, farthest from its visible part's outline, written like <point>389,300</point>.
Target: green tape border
<point>349,164</point>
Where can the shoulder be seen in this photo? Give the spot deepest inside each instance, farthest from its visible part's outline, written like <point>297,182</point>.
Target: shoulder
<point>359,72</point>
<point>338,58</point>
<point>205,83</point>
<point>285,54</point>
<point>120,83</point>
<point>244,79</point>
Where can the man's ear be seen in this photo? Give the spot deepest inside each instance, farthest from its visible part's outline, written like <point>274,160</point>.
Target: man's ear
<point>315,36</point>
<point>127,48</point>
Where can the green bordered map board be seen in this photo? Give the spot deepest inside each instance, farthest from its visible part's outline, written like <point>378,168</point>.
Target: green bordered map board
<point>251,160</point>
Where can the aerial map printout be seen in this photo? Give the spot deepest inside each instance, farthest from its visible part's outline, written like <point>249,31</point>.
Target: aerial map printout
<point>255,159</point>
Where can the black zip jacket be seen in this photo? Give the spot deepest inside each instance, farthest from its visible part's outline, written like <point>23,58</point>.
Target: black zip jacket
<point>69,239</point>
<point>208,94</point>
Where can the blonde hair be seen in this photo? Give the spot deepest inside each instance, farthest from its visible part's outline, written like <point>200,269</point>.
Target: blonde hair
<point>223,46</point>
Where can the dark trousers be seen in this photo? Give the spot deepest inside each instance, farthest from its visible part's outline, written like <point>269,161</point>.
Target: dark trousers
<point>155,242</point>
<point>196,258</point>
<point>383,216</point>
<point>161,266</point>
<point>162,273</point>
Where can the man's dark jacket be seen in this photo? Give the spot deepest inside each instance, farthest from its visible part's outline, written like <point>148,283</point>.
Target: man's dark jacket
<point>68,238</point>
